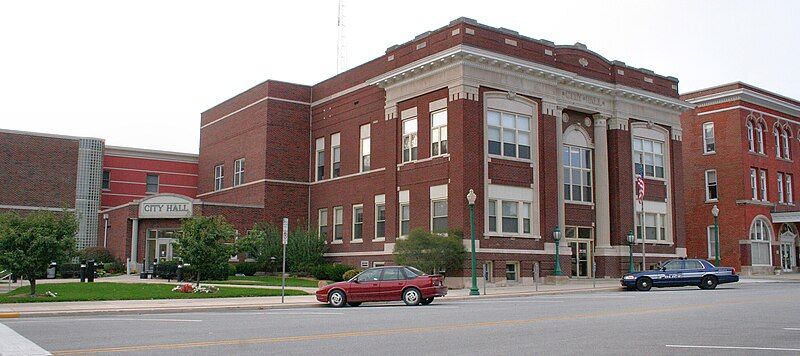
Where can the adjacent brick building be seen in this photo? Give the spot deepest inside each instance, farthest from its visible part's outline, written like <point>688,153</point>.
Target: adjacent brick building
<point>741,151</point>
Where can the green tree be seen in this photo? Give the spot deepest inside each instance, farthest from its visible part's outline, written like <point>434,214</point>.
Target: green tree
<point>28,244</point>
<point>431,252</point>
<point>305,250</point>
<point>202,242</point>
<point>262,242</point>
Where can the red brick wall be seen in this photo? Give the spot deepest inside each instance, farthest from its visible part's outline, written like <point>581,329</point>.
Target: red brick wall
<point>129,177</point>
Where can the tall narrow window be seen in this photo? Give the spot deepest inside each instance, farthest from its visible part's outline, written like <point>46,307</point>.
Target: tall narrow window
<point>780,188</point>
<point>338,221</point>
<point>439,133</point>
<point>711,185</point>
<point>106,180</point>
<point>509,134</point>
<point>577,174</point>
<point>491,212</point>
<point>510,217</point>
<point>760,137</point>
<point>652,152</point>
<point>750,136</point>
<point>238,172</point>
<point>786,148</point>
<point>358,222</point>
<point>380,221</point>
<point>365,147</point>
<point>777,142</point>
<point>439,216</point>
<point>526,218</point>
<point>708,137</point>
<point>763,185</point>
<point>320,158</point>
<point>789,189</point>
<point>152,183</point>
<point>655,226</point>
<point>754,183</point>
<point>405,219</point>
<point>759,243</point>
<point>712,242</point>
<point>219,177</point>
<point>409,140</point>
<point>322,224</point>
<point>335,156</point>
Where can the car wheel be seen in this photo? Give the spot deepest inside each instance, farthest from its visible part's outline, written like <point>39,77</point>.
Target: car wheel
<point>709,282</point>
<point>337,299</point>
<point>353,304</point>
<point>644,284</point>
<point>411,296</point>
<point>427,301</point>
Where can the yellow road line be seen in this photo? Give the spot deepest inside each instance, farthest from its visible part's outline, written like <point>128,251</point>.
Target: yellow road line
<point>423,329</point>
<point>9,315</point>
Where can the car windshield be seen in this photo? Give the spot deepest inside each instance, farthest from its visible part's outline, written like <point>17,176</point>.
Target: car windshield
<point>414,271</point>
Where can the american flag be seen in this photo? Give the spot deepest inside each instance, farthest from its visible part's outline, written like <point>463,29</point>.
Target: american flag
<point>639,184</point>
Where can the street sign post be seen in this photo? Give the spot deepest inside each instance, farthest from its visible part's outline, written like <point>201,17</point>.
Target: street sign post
<point>285,239</point>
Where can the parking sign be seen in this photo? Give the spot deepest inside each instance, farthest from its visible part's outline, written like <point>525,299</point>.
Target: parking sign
<point>285,231</point>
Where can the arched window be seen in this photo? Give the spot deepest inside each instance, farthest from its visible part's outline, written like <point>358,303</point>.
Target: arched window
<point>577,165</point>
<point>760,137</point>
<point>750,136</point>
<point>777,142</point>
<point>785,139</point>
<point>760,237</point>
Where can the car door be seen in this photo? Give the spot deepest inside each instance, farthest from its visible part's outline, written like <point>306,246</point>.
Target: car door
<point>692,273</point>
<point>670,274</point>
<point>392,283</point>
<point>365,287</point>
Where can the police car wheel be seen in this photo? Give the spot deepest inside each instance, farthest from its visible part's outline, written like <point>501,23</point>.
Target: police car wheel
<point>708,282</point>
<point>644,284</point>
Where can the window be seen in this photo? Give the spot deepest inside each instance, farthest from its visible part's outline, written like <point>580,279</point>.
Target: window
<point>712,249</point>
<point>338,218</point>
<point>750,136</point>
<point>526,218</point>
<point>238,172</point>
<point>409,140</point>
<point>785,139</point>
<point>152,183</point>
<point>320,158</point>
<point>491,212</point>
<point>708,138</point>
<point>711,185</point>
<point>392,274</point>
<point>322,224</point>
<point>754,183</point>
<point>652,152</point>
<point>509,134</point>
<point>759,243</point>
<point>439,216</point>
<point>370,275</point>
<point>106,180</point>
<point>655,226</point>
<point>780,188</point>
<point>439,133</point>
<point>692,264</point>
<point>760,137</point>
<point>380,221</point>
<point>358,222</point>
<point>365,147</point>
<point>674,265</point>
<point>335,156</point>
<point>577,174</point>
<point>510,218</point>
<point>511,271</point>
<point>763,185</point>
<point>777,142</point>
<point>405,219</point>
<point>789,189</point>
<point>219,176</point>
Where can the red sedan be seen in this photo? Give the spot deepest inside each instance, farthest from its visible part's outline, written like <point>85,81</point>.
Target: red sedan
<point>382,284</point>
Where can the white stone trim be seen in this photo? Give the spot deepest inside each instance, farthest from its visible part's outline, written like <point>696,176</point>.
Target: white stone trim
<point>108,168</point>
<point>736,107</point>
<point>250,105</point>
<point>27,207</point>
<point>438,192</point>
<point>437,105</point>
<point>129,152</point>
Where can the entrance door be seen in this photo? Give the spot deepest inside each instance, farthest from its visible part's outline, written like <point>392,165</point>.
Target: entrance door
<point>786,256</point>
<point>581,258</point>
<point>164,249</point>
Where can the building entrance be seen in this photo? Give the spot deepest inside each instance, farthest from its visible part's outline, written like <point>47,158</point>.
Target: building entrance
<point>581,242</point>
<point>159,247</point>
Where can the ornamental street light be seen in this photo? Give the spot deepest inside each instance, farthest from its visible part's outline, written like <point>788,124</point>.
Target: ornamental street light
<point>630,251</point>
<point>557,239</point>
<point>471,200</point>
<point>715,212</point>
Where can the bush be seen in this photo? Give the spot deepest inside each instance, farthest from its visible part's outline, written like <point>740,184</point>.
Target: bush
<point>167,270</point>
<point>247,268</point>
<point>220,273</point>
<point>69,270</point>
<point>231,270</point>
<point>114,267</point>
<point>350,274</point>
<point>331,272</point>
<point>98,254</point>
<point>431,252</point>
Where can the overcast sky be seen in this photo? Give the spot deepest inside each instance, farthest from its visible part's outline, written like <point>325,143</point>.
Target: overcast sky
<point>139,73</point>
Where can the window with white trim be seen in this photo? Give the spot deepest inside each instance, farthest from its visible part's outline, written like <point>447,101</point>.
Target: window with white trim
<point>655,226</point>
<point>789,189</point>
<point>754,183</point>
<point>577,174</point>
<point>358,222</point>
<point>439,133</point>
<point>380,221</point>
<point>786,147</point>
<point>777,142</point>
<point>780,188</point>
<point>510,216</point>
<point>509,134</point>
<point>219,176</point>
<point>320,156</point>
<point>365,147</point>
<point>712,249</point>
<point>709,145</point>
<point>410,140</point>
<point>512,269</point>
<point>652,152</point>
<point>338,222</point>
<point>751,136</point>
<point>152,183</point>
<point>336,153</point>
<point>759,243</point>
<point>515,217</point>
<point>760,137</point>
<point>439,215</point>
<point>322,223</point>
<point>238,172</point>
<point>763,176</point>
<point>526,218</point>
<point>711,185</point>
<point>491,212</point>
<point>405,219</point>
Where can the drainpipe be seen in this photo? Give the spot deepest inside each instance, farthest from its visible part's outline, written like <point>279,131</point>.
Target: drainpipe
<point>105,231</point>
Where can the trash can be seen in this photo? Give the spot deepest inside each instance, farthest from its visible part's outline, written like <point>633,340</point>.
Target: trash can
<point>51,271</point>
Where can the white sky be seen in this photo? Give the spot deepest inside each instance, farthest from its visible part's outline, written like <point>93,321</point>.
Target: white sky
<point>139,73</point>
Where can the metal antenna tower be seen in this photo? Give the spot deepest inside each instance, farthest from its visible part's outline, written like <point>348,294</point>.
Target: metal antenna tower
<point>341,50</point>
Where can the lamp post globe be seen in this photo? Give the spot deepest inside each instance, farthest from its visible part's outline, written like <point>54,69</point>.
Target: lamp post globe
<point>715,213</point>
<point>630,251</point>
<point>557,239</point>
<point>471,197</point>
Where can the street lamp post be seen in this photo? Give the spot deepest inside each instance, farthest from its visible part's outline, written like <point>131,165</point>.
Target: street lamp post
<point>557,239</point>
<point>630,252</point>
<point>715,212</point>
<point>471,200</point>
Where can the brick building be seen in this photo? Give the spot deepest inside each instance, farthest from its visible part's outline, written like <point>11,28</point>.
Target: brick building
<point>740,154</point>
<point>546,135</point>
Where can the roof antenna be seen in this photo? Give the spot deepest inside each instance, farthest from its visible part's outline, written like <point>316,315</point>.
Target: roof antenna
<point>341,56</point>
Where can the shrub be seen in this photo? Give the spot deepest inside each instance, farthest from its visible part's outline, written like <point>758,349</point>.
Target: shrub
<point>69,270</point>
<point>231,270</point>
<point>202,243</point>
<point>350,274</point>
<point>167,269</point>
<point>98,254</point>
<point>114,267</point>
<point>219,273</point>
<point>321,271</point>
<point>247,268</point>
<point>336,272</point>
<point>431,252</point>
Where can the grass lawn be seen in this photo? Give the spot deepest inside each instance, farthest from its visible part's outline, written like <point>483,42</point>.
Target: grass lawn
<point>269,281</point>
<point>127,291</point>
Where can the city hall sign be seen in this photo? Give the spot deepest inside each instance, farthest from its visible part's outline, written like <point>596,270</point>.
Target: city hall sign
<point>165,207</point>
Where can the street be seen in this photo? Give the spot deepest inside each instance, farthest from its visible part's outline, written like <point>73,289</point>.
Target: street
<point>741,318</point>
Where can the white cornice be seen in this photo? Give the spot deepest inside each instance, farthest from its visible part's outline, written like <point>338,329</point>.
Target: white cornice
<point>750,96</point>
<point>130,152</point>
<point>41,134</point>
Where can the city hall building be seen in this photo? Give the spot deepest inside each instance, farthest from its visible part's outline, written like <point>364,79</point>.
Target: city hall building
<point>742,144</point>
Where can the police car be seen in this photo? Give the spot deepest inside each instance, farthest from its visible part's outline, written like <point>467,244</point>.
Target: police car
<point>680,273</point>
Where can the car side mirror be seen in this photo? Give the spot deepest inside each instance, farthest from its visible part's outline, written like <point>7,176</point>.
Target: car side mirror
<point>355,280</point>
<point>663,268</point>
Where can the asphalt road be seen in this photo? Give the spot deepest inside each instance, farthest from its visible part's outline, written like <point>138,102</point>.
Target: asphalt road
<point>743,318</point>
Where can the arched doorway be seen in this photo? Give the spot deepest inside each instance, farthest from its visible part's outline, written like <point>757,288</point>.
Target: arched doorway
<point>788,239</point>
